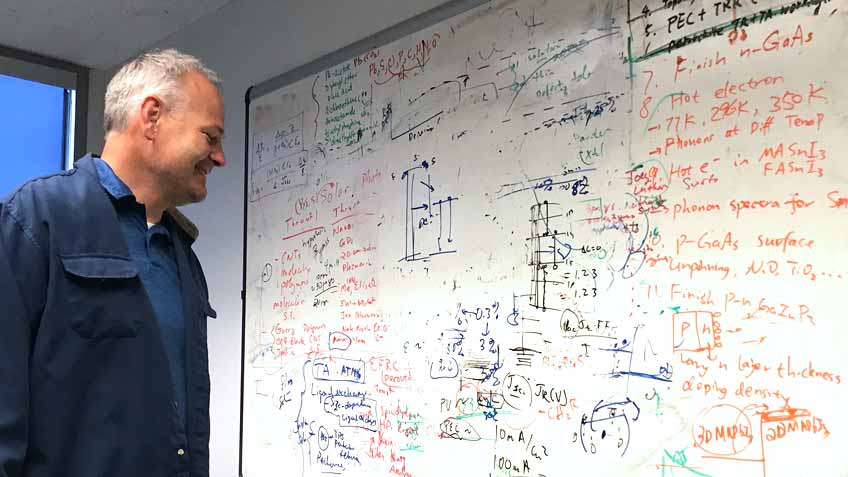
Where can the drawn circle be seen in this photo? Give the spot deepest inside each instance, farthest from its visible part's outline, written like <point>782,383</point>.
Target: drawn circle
<point>467,399</point>
<point>517,392</point>
<point>569,323</point>
<point>267,272</point>
<point>723,430</point>
<point>323,438</point>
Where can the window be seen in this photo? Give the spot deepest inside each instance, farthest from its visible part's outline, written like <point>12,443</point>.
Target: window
<point>38,133</point>
<point>32,132</point>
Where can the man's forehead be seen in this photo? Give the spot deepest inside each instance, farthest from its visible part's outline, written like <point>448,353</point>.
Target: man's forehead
<point>194,80</point>
<point>203,94</point>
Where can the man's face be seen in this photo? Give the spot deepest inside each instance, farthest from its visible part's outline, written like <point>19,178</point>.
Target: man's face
<point>189,141</point>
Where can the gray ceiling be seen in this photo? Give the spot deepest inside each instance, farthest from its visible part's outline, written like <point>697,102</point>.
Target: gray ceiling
<point>95,33</point>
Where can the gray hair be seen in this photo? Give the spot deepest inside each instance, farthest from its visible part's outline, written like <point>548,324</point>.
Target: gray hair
<point>154,72</point>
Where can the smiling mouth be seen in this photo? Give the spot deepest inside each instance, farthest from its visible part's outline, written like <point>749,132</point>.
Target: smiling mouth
<point>204,171</point>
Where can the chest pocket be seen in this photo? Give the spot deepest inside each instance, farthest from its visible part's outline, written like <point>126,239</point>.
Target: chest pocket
<point>103,296</point>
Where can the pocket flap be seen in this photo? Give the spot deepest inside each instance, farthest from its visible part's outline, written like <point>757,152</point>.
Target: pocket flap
<point>99,266</point>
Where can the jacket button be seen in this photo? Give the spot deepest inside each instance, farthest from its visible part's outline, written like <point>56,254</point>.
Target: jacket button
<point>180,452</point>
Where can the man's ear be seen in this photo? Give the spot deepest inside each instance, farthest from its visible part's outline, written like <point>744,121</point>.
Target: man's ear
<point>151,113</point>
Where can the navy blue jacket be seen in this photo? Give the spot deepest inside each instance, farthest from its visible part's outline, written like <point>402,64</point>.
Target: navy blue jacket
<point>85,388</point>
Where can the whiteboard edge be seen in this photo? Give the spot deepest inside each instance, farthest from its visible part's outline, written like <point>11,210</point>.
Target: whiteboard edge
<point>383,37</point>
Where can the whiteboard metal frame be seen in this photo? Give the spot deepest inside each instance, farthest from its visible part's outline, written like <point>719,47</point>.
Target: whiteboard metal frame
<point>408,27</point>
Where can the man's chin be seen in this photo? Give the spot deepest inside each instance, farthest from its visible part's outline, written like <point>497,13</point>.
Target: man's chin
<point>192,197</point>
<point>195,196</point>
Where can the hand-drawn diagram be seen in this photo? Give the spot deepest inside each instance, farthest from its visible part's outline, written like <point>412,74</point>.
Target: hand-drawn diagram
<point>555,238</point>
<point>279,160</point>
<point>429,216</point>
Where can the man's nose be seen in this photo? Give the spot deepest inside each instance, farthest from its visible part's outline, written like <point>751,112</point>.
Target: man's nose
<point>217,156</point>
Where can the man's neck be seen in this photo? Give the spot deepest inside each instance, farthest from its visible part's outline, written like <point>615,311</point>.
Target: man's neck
<point>122,159</point>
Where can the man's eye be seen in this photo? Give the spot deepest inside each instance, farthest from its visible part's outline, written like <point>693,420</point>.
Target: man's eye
<point>209,138</point>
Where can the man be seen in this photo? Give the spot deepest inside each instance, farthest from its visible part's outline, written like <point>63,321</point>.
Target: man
<point>103,305</point>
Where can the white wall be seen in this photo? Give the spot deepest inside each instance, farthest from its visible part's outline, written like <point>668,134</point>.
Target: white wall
<point>97,80</point>
<point>247,42</point>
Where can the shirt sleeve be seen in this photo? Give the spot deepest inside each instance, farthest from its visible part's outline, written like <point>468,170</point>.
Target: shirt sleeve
<point>17,322</point>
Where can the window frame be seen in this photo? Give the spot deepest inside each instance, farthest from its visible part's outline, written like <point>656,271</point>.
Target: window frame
<point>70,76</point>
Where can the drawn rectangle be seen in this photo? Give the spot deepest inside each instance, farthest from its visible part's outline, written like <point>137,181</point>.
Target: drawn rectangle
<point>278,176</point>
<point>426,108</point>
<point>339,369</point>
<point>693,331</point>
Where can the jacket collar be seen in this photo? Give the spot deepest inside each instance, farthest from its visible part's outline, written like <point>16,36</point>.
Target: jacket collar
<point>116,188</point>
<point>110,181</point>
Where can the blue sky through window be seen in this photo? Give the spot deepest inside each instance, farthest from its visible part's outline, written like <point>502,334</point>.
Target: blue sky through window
<point>31,131</point>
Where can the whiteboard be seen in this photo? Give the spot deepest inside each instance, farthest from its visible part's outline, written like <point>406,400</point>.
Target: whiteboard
<point>548,238</point>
